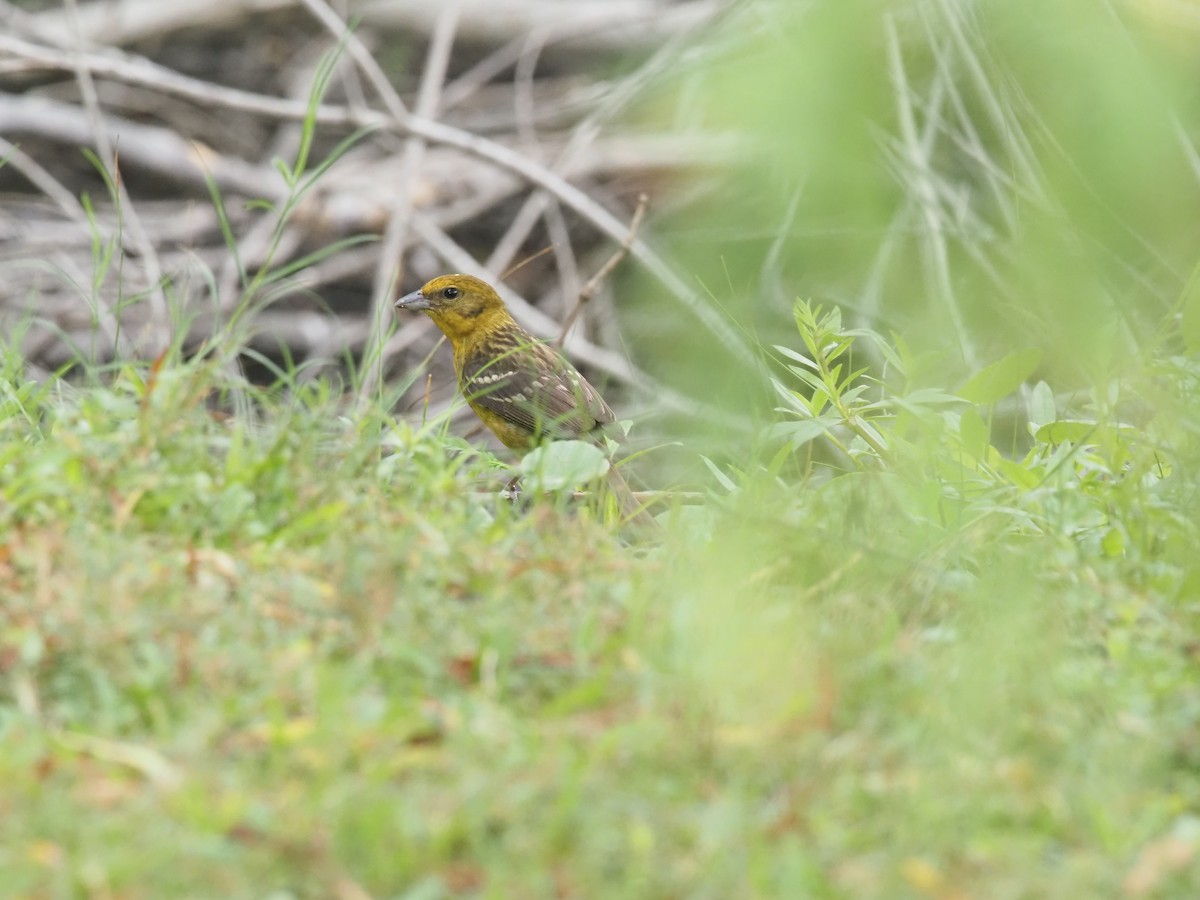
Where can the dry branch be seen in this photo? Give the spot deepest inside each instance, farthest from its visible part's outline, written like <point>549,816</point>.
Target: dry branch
<point>155,149</point>
<point>608,25</point>
<point>439,191</point>
<point>589,290</point>
<point>121,22</point>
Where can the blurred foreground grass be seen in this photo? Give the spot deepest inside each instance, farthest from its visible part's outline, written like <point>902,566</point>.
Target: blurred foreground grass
<point>266,660</point>
<point>902,651</point>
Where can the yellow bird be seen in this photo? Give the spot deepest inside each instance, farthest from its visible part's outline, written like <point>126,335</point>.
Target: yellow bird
<point>522,389</point>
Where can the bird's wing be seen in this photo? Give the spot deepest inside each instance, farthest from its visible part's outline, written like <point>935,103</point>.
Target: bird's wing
<point>531,386</point>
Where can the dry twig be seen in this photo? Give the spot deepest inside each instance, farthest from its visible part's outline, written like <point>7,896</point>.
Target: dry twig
<point>605,270</point>
<point>453,194</point>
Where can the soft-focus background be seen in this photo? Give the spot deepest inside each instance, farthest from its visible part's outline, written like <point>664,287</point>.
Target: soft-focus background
<point>174,131</point>
<point>899,297</point>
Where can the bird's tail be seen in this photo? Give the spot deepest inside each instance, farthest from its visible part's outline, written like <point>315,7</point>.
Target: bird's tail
<point>632,510</point>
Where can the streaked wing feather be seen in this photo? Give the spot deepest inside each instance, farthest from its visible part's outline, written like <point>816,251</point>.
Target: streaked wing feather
<point>529,385</point>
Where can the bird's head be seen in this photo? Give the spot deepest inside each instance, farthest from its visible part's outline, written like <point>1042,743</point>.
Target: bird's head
<point>456,303</point>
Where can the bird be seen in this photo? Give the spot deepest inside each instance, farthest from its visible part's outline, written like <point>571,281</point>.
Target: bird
<point>521,388</point>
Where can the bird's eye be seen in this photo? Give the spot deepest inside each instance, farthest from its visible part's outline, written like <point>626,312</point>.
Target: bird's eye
<point>450,293</point>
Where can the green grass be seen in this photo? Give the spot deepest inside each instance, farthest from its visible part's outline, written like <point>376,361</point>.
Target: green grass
<point>307,658</point>
<point>230,646</point>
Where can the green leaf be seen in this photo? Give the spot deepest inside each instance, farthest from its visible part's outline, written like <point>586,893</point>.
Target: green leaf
<point>334,155</point>
<point>833,322</point>
<point>974,433</point>
<point>316,256</point>
<point>870,432</point>
<point>1041,407</point>
<point>1022,477</point>
<point>1067,430</point>
<point>930,397</point>
<point>800,433</point>
<point>725,480</point>
<point>231,241</point>
<point>775,466</point>
<point>1113,543</point>
<point>1189,321</point>
<point>813,381</point>
<point>837,348</point>
<point>1001,378</point>
<point>797,357</point>
<point>562,464</point>
<point>795,400</point>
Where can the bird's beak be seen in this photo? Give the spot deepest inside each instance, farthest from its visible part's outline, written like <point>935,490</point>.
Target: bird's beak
<point>414,301</point>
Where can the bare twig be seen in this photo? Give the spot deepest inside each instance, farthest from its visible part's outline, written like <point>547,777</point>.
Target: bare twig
<point>523,77</point>
<point>108,156</point>
<point>45,182</point>
<point>581,138</point>
<point>362,56</point>
<point>392,251</point>
<point>470,81</point>
<point>138,20</point>
<point>66,201</point>
<point>593,284</point>
<point>143,71</point>
<point>564,255</point>
<point>150,147</point>
<point>922,177</point>
<point>523,263</point>
<point>601,25</point>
